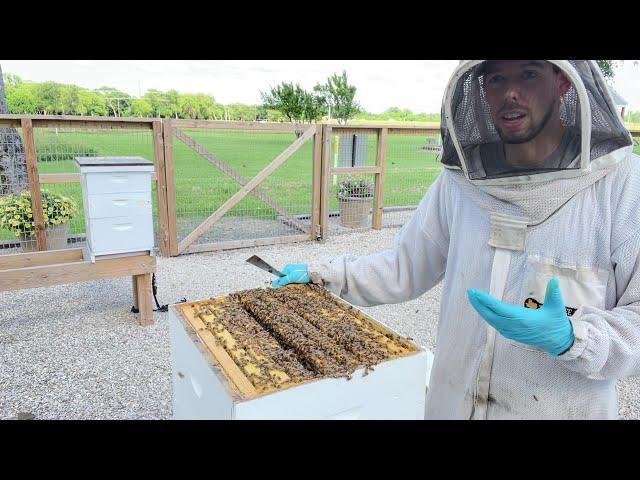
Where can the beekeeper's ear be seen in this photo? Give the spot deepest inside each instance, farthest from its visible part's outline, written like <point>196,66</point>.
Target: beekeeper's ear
<point>564,84</point>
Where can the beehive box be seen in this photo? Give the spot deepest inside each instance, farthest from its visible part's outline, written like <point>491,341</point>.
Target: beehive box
<point>296,352</point>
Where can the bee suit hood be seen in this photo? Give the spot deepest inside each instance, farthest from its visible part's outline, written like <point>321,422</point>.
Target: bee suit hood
<point>595,140</point>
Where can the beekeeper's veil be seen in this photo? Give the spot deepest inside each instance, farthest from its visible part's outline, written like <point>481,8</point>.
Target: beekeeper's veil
<point>480,123</point>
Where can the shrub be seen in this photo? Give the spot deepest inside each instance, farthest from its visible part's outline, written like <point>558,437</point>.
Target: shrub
<point>355,187</point>
<point>16,214</point>
<point>58,151</point>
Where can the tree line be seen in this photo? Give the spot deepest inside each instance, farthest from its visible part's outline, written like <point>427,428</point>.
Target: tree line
<point>286,102</point>
<point>283,103</point>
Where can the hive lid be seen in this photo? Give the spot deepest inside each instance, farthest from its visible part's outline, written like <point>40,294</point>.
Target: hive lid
<point>112,161</point>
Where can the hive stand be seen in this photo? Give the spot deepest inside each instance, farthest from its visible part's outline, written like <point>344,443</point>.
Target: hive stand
<point>55,267</point>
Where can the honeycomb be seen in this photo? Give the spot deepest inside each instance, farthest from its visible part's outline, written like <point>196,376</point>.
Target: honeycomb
<point>294,334</point>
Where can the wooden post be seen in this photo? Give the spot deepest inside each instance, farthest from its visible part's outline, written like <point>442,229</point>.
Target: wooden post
<point>378,197</point>
<point>167,135</point>
<point>316,230</point>
<point>161,186</point>
<point>324,189</point>
<point>34,181</point>
<point>134,281</point>
<point>144,298</point>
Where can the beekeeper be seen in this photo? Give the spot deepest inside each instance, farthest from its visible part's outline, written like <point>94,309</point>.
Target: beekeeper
<point>534,229</point>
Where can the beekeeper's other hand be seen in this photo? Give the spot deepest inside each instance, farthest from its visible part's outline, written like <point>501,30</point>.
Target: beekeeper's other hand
<point>547,327</point>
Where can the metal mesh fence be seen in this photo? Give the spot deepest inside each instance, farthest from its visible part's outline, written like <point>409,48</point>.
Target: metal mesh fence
<point>56,149</point>
<point>410,168</point>
<point>211,165</point>
<point>16,215</point>
<point>351,195</point>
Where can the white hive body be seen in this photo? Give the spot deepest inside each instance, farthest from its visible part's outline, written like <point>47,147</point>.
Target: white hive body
<point>206,388</point>
<point>117,201</point>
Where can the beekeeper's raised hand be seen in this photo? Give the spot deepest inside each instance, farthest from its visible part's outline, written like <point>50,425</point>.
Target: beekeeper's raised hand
<point>547,327</point>
<point>293,273</point>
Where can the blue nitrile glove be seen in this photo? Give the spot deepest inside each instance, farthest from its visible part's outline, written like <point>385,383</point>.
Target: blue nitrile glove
<point>547,327</point>
<point>293,273</point>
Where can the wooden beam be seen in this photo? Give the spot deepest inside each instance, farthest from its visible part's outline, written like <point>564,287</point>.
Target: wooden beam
<point>145,307</point>
<point>75,121</point>
<point>85,124</point>
<point>234,374</point>
<point>225,125</point>
<point>244,191</point>
<point>161,184</point>
<point>34,183</point>
<point>350,170</point>
<point>378,196</point>
<point>258,242</point>
<point>200,150</point>
<point>415,131</point>
<point>59,177</point>
<point>324,191</point>
<point>56,274</point>
<point>317,185</point>
<point>167,136</point>
<point>35,259</point>
<point>345,129</point>
<point>134,284</point>
<point>69,177</point>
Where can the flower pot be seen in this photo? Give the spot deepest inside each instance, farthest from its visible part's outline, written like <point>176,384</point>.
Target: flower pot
<point>56,238</point>
<point>354,211</point>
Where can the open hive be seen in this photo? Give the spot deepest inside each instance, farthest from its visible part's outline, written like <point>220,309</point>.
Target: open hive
<point>270,339</point>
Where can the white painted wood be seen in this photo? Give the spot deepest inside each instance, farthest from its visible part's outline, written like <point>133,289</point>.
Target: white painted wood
<point>120,234</point>
<point>116,181</point>
<point>108,205</point>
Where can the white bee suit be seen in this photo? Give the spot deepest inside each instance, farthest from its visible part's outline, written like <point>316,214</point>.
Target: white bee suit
<point>509,236</point>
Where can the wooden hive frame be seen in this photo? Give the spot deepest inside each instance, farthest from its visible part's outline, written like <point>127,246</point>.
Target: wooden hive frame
<point>232,375</point>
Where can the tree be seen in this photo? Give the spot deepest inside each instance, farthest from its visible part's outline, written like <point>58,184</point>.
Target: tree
<point>607,67</point>
<point>339,97</point>
<point>12,80</point>
<point>140,108</point>
<point>117,102</point>
<point>13,166</point>
<point>21,98</point>
<point>69,101</point>
<point>91,103</point>
<point>294,103</point>
<point>48,97</point>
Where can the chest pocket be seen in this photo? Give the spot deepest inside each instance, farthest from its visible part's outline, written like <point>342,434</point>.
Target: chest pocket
<point>579,286</point>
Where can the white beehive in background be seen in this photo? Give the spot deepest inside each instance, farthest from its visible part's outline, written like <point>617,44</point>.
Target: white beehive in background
<point>117,204</point>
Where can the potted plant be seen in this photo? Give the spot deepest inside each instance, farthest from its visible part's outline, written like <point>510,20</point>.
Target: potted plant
<point>355,199</point>
<point>16,215</point>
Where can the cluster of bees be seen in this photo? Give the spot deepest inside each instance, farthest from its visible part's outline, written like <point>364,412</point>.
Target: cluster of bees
<point>284,336</point>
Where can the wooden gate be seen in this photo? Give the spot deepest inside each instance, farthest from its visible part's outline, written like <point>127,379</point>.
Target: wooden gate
<point>191,137</point>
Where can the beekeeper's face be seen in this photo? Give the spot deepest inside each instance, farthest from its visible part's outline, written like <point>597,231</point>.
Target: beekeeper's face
<point>523,96</point>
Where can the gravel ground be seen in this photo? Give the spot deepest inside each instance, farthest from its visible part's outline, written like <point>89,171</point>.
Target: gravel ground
<point>76,352</point>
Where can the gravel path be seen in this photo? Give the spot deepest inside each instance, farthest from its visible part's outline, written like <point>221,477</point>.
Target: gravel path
<point>76,352</point>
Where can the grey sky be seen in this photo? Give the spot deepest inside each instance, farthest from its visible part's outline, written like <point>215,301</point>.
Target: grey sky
<point>414,84</point>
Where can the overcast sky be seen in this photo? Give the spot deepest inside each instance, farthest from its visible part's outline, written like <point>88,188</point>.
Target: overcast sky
<point>414,84</point>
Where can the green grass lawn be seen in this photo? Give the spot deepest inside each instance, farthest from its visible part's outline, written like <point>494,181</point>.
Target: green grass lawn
<point>201,187</point>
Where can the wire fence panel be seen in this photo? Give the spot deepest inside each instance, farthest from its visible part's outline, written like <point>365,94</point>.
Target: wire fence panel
<point>212,165</point>
<point>16,215</point>
<point>410,168</point>
<point>56,150</point>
